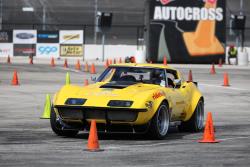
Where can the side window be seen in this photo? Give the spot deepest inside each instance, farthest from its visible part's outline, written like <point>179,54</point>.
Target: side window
<point>108,75</point>
<point>158,77</point>
<point>171,76</point>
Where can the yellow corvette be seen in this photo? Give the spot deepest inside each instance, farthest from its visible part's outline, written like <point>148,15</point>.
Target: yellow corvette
<point>138,98</point>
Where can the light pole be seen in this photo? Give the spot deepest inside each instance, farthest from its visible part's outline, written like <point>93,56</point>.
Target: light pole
<point>44,17</point>
<point>1,14</point>
<point>96,22</point>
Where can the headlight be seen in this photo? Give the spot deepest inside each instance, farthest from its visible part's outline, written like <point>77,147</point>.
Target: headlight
<point>75,101</point>
<point>120,103</point>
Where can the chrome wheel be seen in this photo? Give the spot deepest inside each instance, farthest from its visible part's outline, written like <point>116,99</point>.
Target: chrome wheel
<point>200,115</point>
<point>163,120</point>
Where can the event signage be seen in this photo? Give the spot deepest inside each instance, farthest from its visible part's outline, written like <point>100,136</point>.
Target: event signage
<point>47,36</point>
<point>71,50</point>
<point>186,31</point>
<point>24,36</point>
<point>6,49</point>
<point>24,49</point>
<point>6,36</point>
<point>71,37</point>
<point>47,50</point>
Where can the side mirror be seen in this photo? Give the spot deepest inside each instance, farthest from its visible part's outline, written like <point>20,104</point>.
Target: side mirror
<point>177,82</point>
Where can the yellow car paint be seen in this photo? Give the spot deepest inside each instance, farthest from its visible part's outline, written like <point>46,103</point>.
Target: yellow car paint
<point>181,101</point>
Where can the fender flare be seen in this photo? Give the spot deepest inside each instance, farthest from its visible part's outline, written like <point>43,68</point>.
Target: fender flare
<point>197,96</point>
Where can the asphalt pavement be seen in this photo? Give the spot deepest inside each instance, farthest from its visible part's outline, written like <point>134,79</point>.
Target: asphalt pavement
<point>26,140</point>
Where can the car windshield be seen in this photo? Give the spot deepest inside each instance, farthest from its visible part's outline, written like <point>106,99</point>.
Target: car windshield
<point>133,74</point>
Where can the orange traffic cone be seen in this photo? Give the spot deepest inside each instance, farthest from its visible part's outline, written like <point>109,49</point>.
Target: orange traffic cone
<point>208,136</point>
<point>107,63</point>
<point>52,62</point>
<point>86,67</point>
<point>78,65</point>
<point>8,60</point>
<point>220,62</point>
<point>132,59</point>
<point>203,41</point>
<point>86,82</point>
<point>226,80</point>
<point>92,70</point>
<point>120,60</point>
<point>190,76</point>
<point>15,81</point>
<point>165,60</point>
<point>31,60</point>
<point>65,63</point>
<point>110,61</point>
<point>93,143</point>
<point>212,70</point>
<point>114,61</point>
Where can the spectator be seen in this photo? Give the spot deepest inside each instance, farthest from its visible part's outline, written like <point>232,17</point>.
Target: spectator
<point>232,53</point>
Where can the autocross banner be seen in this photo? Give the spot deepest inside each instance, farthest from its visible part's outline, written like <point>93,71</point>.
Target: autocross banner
<point>24,36</point>
<point>47,36</point>
<point>45,50</point>
<point>187,31</point>
<point>71,50</point>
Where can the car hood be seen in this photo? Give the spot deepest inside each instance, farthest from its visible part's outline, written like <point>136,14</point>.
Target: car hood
<point>116,90</point>
<point>99,94</point>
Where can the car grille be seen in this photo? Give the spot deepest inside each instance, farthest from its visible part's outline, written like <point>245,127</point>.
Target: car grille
<point>111,114</point>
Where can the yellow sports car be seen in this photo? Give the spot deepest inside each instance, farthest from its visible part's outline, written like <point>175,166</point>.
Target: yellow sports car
<point>137,98</point>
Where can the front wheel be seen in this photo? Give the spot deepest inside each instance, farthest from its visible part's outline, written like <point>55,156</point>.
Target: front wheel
<point>159,125</point>
<point>57,128</point>
<point>195,123</point>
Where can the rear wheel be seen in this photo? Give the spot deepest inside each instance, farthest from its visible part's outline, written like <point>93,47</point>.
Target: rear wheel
<point>195,123</point>
<point>57,128</point>
<point>160,123</point>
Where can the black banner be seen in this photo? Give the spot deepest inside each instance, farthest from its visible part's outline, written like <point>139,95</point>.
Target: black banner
<point>24,49</point>
<point>187,31</point>
<point>6,36</point>
<point>47,36</point>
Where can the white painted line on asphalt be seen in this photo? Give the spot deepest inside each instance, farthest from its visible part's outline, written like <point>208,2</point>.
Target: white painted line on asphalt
<point>232,88</point>
<point>68,69</point>
<point>233,138</point>
<point>142,145</point>
<point>159,144</point>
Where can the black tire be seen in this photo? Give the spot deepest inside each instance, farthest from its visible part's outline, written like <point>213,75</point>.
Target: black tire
<point>196,122</point>
<point>57,128</point>
<point>155,130</point>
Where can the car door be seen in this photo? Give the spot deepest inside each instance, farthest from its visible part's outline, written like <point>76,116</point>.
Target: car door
<point>176,96</point>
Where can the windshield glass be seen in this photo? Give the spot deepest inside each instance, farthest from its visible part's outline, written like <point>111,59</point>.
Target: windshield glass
<point>133,74</point>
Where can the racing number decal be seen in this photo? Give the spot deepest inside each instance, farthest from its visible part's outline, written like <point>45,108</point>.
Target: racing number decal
<point>158,94</point>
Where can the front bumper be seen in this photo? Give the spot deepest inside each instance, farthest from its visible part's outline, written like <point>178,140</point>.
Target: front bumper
<point>107,114</point>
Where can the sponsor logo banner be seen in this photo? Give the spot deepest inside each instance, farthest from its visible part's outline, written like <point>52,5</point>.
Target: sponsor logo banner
<point>6,36</point>
<point>71,50</point>
<point>6,50</point>
<point>187,31</point>
<point>47,50</point>
<point>47,36</point>
<point>24,49</point>
<point>71,37</point>
<point>24,36</point>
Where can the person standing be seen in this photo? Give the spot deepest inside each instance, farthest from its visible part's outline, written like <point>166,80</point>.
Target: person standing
<point>232,53</point>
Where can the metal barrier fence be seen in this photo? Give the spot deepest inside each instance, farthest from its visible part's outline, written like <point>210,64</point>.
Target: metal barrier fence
<point>234,37</point>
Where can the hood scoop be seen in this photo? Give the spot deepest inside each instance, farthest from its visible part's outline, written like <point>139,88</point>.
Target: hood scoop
<point>118,85</point>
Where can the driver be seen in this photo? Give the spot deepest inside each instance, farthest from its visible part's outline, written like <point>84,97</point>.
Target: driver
<point>157,76</point>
